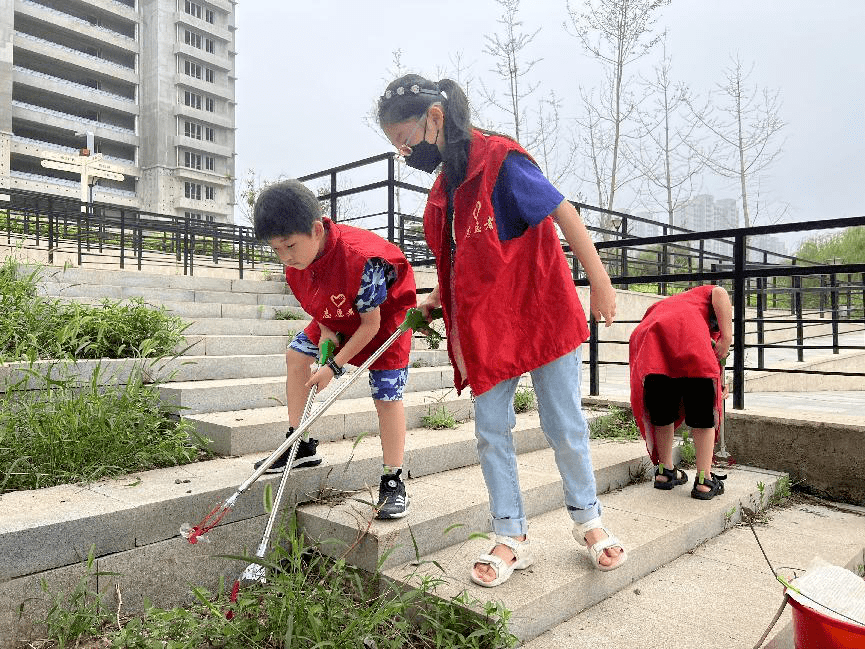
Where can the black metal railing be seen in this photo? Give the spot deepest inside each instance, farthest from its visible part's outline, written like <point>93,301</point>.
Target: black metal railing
<point>102,232</point>
<point>771,292</point>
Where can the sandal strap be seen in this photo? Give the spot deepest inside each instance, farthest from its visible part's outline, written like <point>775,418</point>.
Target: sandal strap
<point>515,546</point>
<point>496,563</point>
<point>588,526</point>
<point>610,542</point>
<point>673,473</point>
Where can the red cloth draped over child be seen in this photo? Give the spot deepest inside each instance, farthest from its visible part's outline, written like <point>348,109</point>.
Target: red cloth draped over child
<point>674,339</point>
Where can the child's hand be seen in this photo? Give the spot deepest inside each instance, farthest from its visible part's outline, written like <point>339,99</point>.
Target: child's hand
<point>602,301</point>
<point>433,301</point>
<point>328,334</point>
<point>722,347</point>
<point>320,379</point>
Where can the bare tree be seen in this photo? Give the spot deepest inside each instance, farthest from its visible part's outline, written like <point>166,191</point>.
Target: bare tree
<point>744,126</point>
<point>511,66</point>
<point>664,153</point>
<point>248,191</point>
<point>616,33</point>
<point>556,164</point>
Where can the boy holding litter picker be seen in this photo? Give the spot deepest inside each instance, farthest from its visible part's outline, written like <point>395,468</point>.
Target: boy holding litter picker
<point>675,356</point>
<point>357,287</point>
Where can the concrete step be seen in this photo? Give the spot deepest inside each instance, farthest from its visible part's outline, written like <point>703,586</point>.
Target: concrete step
<point>129,278</point>
<point>149,507</point>
<point>447,508</point>
<point>198,310</point>
<point>247,326</point>
<point>194,397</point>
<point>655,526</point>
<point>228,345</point>
<point>259,430</point>
<point>158,295</point>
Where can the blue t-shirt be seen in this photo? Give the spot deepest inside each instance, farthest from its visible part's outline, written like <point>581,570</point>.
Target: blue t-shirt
<point>522,196</point>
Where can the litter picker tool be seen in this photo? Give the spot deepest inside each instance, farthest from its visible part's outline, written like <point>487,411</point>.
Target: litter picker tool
<point>414,320</point>
<point>255,571</point>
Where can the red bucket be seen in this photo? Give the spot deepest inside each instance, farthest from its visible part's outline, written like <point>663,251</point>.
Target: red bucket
<point>813,630</point>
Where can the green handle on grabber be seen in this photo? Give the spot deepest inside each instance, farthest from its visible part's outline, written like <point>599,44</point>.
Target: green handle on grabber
<point>414,319</point>
<point>325,351</point>
<point>722,361</point>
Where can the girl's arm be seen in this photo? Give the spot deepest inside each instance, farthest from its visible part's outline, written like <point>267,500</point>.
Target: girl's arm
<point>602,302</point>
<point>724,314</point>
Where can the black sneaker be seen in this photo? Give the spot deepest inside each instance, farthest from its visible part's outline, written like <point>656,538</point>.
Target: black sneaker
<point>392,499</point>
<point>306,456</point>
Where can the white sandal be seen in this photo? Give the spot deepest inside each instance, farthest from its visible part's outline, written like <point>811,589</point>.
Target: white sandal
<point>596,550</point>
<point>522,553</point>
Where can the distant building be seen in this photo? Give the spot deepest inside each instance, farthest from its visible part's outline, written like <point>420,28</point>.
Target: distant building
<point>761,247</point>
<point>152,80</point>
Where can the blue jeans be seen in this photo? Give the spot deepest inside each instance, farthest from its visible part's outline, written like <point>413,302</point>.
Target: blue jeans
<point>557,388</point>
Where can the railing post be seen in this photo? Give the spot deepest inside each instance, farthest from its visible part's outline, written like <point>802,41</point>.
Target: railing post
<point>191,238</point>
<point>662,264</point>
<point>36,221</point>
<point>122,238</point>
<point>51,231</point>
<point>739,322</point>
<point>215,244</point>
<point>140,232</point>
<point>78,237</point>
<point>797,307</point>
<point>333,196</point>
<point>240,253</point>
<point>594,382</point>
<point>624,250</point>
<point>833,298</point>
<point>822,295</point>
<point>761,327</point>
<point>391,190</point>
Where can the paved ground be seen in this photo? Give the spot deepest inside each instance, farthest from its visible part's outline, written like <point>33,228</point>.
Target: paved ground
<point>722,595</point>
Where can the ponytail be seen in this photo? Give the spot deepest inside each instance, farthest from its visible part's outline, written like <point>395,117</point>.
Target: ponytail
<point>410,95</point>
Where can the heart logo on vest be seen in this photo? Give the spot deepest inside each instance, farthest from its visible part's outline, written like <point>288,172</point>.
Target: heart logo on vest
<point>338,300</point>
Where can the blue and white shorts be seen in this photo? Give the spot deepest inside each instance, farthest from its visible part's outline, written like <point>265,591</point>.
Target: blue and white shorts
<point>384,385</point>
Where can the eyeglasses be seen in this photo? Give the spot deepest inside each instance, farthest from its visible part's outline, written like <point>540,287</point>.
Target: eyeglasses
<point>405,149</point>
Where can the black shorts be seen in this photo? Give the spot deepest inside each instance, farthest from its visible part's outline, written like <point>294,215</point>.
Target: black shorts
<point>662,396</point>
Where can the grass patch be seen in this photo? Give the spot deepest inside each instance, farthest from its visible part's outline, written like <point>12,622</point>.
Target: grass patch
<point>61,432</point>
<point>35,327</point>
<point>689,452</point>
<point>524,400</point>
<point>55,430</point>
<point>287,314</point>
<point>309,600</point>
<point>438,419</point>
<point>618,425</point>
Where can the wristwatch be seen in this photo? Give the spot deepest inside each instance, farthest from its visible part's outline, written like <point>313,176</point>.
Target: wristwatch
<point>336,369</point>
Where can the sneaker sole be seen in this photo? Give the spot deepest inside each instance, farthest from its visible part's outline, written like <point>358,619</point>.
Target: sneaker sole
<point>383,516</point>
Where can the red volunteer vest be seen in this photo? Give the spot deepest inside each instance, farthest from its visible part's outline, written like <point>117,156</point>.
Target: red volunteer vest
<point>328,287</point>
<point>516,304</point>
<point>674,339</point>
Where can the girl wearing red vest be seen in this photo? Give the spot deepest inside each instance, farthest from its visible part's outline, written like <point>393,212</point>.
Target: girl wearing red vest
<point>357,287</point>
<point>509,303</point>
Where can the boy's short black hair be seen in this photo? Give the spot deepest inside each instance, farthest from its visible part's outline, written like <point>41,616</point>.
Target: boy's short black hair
<point>283,209</point>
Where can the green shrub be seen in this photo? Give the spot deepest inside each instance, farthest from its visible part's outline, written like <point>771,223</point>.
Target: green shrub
<point>524,400</point>
<point>60,433</point>
<point>308,600</point>
<point>34,327</point>
<point>618,424</point>
<point>438,419</point>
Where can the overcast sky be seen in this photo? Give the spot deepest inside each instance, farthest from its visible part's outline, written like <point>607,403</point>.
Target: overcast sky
<point>309,73</point>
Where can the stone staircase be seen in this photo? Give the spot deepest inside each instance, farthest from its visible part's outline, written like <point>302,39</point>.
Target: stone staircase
<point>229,383</point>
